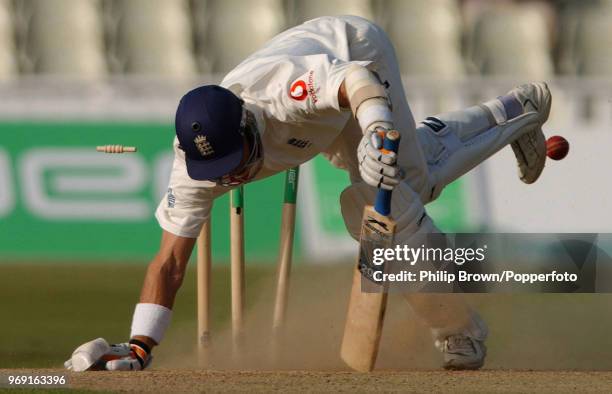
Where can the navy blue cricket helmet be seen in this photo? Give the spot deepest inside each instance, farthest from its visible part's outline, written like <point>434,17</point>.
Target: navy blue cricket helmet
<point>208,127</point>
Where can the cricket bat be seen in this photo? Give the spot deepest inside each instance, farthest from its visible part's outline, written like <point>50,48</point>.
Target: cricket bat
<point>366,310</point>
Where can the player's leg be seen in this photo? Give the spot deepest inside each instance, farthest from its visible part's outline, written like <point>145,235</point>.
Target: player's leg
<point>455,142</point>
<point>458,331</point>
<point>370,43</point>
<point>451,144</point>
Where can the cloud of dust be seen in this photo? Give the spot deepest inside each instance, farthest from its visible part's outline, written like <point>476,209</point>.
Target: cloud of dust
<point>316,312</point>
<point>527,331</point>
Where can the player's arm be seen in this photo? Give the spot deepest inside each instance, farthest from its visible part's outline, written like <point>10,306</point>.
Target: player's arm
<point>343,97</point>
<point>365,95</point>
<point>165,273</point>
<point>152,315</point>
<point>162,281</point>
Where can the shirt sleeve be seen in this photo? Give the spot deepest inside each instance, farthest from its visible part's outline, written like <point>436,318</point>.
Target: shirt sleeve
<point>187,203</point>
<point>299,88</point>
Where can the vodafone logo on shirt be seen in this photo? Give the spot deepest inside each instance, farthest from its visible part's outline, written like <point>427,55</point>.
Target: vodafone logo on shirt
<point>298,90</point>
<point>303,87</point>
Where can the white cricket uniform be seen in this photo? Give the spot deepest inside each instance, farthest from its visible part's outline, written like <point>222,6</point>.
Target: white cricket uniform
<point>291,85</point>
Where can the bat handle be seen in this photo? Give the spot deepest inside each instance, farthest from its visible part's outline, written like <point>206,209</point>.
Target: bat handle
<point>383,198</point>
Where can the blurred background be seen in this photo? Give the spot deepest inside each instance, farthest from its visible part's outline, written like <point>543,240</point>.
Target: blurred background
<point>98,39</point>
<point>79,73</point>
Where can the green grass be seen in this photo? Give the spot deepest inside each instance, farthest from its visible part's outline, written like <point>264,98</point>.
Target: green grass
<point>48,310</point>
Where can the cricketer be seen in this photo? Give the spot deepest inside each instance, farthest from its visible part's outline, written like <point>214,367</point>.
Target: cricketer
<point>330,86</point>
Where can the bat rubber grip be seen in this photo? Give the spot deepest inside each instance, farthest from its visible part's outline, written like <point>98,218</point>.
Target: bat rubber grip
<point>383,197</point>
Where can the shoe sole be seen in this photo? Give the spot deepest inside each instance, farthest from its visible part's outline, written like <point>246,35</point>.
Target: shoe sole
<point>533,141</point>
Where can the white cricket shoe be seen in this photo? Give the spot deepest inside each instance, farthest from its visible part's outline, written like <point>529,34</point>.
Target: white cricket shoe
<point>530,148</point>
<point>463,352</point>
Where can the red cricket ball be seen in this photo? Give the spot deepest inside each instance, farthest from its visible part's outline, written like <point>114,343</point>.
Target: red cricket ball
<point>557,147</point>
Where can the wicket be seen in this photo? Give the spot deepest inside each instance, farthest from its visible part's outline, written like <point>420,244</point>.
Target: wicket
<point>237,263</point>
<point>285,253</point>
<point>115,149</point>
<point>203,269</point>
<point>204,264</point>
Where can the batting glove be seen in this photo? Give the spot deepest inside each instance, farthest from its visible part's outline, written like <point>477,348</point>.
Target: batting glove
<point>98,355</point>
<point>377,166</point>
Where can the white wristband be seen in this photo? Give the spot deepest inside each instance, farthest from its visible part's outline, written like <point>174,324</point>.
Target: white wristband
<point>150,320</point>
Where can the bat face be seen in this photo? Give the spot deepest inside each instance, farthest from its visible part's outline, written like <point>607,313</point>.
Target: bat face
<point>368,299</point>
<point>376,232</point>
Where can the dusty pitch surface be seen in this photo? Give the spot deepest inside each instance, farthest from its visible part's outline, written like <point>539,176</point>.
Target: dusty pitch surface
<point>535,338</point>
<point>488,381</point>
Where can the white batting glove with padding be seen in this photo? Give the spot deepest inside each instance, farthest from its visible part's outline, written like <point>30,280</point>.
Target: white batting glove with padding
<point>377,166</point>
<point>99,355</point>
